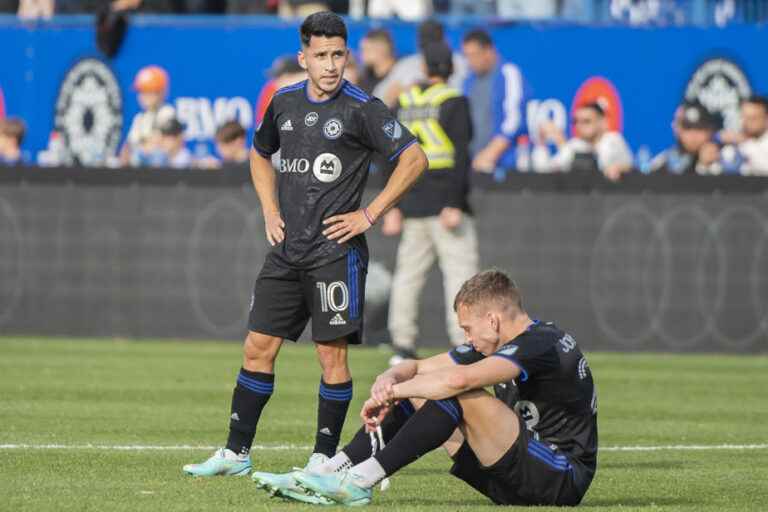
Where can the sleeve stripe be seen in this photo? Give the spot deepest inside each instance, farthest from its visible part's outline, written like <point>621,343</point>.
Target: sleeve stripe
<point>513,96</point>
<point>453,356</point>
<point>523,373</point>
<point>397,153</point>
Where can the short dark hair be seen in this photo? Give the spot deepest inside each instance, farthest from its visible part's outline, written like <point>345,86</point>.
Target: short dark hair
<point>14,128</point>
<point>322,24</point>
<point>593,106</point>
<point>479,36</point>
<point>489,287</point>
<point>230,131</point>
<point>383,35</point>
<point>757,100</point>
<point>438,59</point>
<point>430,31</point>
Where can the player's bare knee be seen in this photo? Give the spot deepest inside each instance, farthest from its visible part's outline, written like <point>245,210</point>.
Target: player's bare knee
<point>260,352</point>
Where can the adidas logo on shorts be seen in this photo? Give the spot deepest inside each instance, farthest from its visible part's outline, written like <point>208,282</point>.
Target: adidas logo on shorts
<point>337,320</point>
<point>287,126</point>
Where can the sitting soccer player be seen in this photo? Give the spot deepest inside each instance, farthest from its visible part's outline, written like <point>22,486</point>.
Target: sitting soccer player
<point>534,443</point>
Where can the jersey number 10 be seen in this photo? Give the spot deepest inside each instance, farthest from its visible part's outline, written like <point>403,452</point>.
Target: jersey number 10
<point>330,298</point>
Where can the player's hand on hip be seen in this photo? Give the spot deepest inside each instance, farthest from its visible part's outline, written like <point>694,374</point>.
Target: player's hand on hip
<point>275,227</point>
<point>450,217</point>
<point>346,226</point>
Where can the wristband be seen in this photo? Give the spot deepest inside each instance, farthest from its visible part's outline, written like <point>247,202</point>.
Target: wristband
<point>368,217</point>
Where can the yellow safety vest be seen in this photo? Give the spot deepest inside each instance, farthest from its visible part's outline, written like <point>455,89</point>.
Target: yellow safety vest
<point>420,113</point>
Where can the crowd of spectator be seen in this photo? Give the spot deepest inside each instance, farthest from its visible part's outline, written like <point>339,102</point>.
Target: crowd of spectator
<point>497,93</point>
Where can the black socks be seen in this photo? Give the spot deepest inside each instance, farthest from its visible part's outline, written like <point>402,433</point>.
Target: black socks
<point>332,408</point>
<point>251,394</point>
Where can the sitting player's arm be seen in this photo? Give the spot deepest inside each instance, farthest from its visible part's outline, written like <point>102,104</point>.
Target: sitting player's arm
<point>381,391</point>
<point>452,381</point>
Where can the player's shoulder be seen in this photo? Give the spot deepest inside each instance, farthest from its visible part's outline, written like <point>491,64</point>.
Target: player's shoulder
<point>354,94</point>
<point>287,95</point>
<point>541,332</point>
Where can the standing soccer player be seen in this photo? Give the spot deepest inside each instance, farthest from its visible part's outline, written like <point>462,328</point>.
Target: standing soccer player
<point>326,130</point>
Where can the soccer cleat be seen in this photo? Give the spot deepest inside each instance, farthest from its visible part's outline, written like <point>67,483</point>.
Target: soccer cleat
<point>223,462</point>
<point>339,486</point>
<point>284,485</point>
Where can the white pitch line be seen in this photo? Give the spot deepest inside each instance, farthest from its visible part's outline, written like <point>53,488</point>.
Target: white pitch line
<point>296,447</point>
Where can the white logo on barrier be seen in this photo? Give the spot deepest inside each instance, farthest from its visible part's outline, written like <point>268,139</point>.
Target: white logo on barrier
<point>89,111</point>
<point>720,85</point>
<point>202,116</point>
<point>327,167</point>
<point>333,128</point>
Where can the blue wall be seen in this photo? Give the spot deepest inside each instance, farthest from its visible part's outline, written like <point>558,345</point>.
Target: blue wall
<point>226,58</point>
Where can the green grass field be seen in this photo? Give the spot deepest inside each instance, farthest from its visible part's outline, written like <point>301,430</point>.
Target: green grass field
<point>59,396</point>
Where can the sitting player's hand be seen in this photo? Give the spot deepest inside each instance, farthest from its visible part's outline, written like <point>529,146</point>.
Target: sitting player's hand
<point>373,414</point>
<point>346,226</point>
<point>382,391</point>
<point>274,226</point>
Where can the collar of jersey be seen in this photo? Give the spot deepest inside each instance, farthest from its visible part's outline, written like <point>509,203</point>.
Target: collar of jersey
<point>338,91</point>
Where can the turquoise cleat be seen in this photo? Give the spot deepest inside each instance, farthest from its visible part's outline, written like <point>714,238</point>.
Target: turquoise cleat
<point>340,487</point>
<point>285,486</point>
<point>222,462</point>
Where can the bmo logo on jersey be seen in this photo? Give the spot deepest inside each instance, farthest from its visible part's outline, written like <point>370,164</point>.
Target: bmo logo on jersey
<point>300,165</point>
<point>327,167</point>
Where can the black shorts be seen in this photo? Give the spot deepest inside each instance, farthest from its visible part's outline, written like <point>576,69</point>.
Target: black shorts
<point>333,295</point>
<point>530,473</point>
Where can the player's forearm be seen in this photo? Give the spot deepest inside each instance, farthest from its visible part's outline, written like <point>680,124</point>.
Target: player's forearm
<point>413,162</point>
<point>264,181</point>
<point>433,386</point>
<point>402,372</point>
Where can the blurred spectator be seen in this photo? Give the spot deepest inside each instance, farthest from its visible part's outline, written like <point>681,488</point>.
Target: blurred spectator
<point>434,216</point>
<point>497,93</point>
<point>752,141</point>
<point>410,69</point>
<point>300,8</point>
<point>31,9</point>
<point>377,53</point>
<point>406,10</point>
<point>352,70</point>
<point>230,143</point>
<point>151,84</point>
<point>592,147</point>
<point>251,6</point>
<point>176,155</point>
<point>527,10</point>
<point>285,70</point>
<point>12,132</point>
<point>694,151</point>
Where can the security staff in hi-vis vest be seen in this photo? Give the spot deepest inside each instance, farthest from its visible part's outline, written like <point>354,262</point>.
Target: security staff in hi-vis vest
<point>434,216</point>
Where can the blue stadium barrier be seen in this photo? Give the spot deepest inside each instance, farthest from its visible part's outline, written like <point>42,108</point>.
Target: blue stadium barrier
<point>217,67</point>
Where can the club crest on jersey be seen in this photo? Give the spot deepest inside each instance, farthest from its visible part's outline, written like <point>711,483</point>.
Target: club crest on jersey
<point>393,130</point>
<point>332,129</point>
<point>463,349</point>
<point>327,167</point>
<point>311,119</point>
